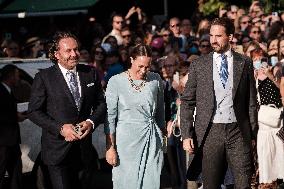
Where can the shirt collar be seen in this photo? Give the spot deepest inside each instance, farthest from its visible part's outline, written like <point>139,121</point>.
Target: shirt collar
<point>7,87</point>
<point>228,53</point>
<point>64,70</point>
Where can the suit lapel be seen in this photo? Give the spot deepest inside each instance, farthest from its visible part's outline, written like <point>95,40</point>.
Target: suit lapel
<point>238,65</point>
<point>60,81</point>
<point>208,77</point>
<point>83,85</point>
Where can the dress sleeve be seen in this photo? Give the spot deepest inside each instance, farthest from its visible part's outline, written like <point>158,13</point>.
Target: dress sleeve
<point>160,113</point>
<point>112,106</point>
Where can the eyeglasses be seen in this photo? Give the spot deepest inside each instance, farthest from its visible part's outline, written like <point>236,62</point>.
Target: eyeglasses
<point>166,35</point>
<point>175,25</point>
<point>126,36</point>
<point>256,32</point>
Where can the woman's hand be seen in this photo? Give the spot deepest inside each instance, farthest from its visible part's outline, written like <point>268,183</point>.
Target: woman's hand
<point>111,156</point>
<point>188,145</point>
<point>268,72</point>
<point>169,129</point>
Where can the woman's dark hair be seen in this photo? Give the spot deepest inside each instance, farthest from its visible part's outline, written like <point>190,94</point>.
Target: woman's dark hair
<point>275,30</point>
<point>280,55</point>
<point>54,46</point>
<point>141,50</point>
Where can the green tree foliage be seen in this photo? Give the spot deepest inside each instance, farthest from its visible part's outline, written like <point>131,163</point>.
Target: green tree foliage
<point>210,7</point>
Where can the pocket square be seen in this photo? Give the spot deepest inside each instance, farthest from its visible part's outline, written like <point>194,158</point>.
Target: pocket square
<point>90,84</point>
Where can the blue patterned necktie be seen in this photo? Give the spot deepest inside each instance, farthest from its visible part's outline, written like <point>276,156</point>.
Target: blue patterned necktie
<point>224,70</point>
<point>73,84</point>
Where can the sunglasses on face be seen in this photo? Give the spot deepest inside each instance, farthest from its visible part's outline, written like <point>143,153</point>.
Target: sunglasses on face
<point>166,35</point>
<point>256,32</point>
<point>175,25</point>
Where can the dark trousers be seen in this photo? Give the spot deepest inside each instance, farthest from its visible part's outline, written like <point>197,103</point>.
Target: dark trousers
<point>10,161</point>
<point>224,146</point>
<point>66,174</point>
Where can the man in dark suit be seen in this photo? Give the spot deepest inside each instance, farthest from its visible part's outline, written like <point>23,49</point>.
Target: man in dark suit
<point>221,87</point>
<point>63,96</point>
<point>10,153</point>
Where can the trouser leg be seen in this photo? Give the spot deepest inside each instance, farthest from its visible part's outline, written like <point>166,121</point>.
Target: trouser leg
<point>239,157</point>
<point>214,161</point>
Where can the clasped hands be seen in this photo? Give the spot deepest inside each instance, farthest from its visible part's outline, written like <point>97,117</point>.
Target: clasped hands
<point>69,133</point>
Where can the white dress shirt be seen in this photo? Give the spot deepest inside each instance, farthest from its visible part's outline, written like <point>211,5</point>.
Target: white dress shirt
<point>7,87</point>
<point>64,71</point>
<point>217,60</point>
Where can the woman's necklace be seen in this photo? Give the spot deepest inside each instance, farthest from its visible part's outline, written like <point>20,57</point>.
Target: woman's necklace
<point>137,88</point>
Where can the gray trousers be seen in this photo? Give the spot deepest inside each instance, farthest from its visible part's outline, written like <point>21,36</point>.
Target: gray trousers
<point>224,146</point>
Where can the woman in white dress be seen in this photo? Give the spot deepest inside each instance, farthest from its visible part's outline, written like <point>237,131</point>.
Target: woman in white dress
<point>270,149</point>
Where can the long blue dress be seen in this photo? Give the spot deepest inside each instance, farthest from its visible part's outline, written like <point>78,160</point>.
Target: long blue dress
<point>135,118</point>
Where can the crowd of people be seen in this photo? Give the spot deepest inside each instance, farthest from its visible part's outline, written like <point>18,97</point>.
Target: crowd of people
<point>172,96</point>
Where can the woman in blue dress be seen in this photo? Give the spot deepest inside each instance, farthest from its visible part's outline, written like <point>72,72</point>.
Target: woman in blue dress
<point>135,103</point>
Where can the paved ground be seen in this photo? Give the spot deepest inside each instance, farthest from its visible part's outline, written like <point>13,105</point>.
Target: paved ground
<point>101,179</point>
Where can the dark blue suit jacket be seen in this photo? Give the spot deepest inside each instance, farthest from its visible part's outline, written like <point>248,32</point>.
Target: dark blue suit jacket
<point>52,105</point>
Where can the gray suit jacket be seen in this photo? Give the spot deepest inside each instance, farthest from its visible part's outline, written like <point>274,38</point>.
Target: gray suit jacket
<point>199,93</point>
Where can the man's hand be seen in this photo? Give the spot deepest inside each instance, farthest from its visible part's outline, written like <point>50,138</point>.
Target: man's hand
<point>86,127</point>
<point>111,156</point>
<point>188,145</point>
<point>68,133</point>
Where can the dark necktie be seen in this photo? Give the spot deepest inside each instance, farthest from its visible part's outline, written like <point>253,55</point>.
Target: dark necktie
<point>73,84</point>
<point>224,70</point>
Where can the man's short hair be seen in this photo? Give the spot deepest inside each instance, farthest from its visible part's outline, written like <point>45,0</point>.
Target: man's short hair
<point>227,23</point>
<point>55,43</point>
<point>114,14</point>
<point>7,71</point>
